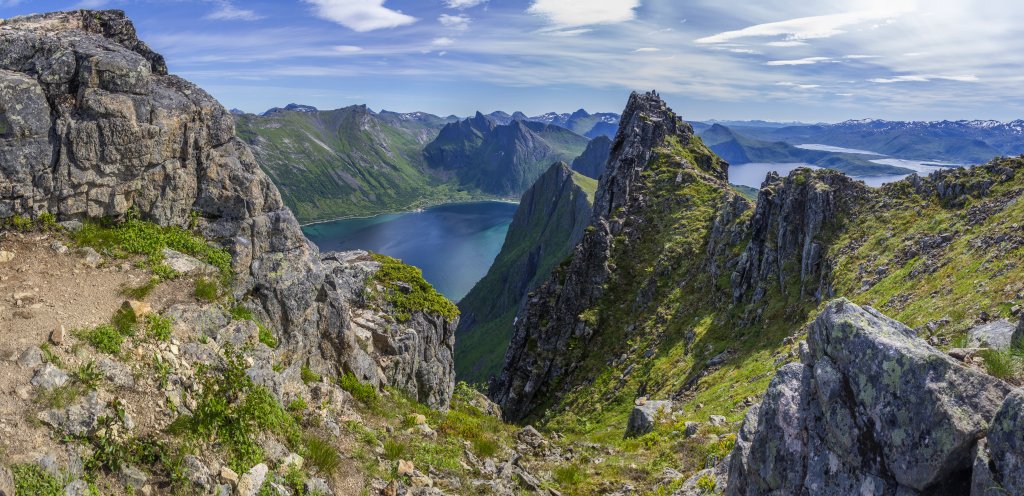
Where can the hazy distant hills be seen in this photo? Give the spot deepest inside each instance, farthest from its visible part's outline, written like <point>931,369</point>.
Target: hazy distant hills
<point>736,148</point>
<point>962,142</point>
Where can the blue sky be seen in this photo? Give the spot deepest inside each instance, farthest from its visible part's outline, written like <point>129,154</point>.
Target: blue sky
<point>727,59</point>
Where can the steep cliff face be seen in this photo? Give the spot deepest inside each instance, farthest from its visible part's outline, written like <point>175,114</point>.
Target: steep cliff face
<point>794,219</point>
<point>95,127</point>
<point>547,225</point>
<point>659,175</point>
<point>594,159</point>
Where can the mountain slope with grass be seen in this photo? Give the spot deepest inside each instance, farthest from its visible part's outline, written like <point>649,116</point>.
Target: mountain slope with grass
<point>547,225</point>
<point>347,162</point>
<point>500,159</point>
<point>684,298</point>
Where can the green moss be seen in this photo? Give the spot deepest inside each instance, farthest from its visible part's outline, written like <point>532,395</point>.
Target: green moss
<point>404,289</point>
<point>32,479</point>
<point>364,393</point>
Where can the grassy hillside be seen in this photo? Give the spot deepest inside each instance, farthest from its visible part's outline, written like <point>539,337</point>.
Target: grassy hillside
<point>547,225</point>
<point>347,162</point>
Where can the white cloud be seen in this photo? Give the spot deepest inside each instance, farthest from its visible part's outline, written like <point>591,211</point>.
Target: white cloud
<point>361,15</point>
<point>442,42</point>
<point>568,32</point>
<point>924,78</point>
<point>797,85</point>
<point>571,13</point>
<point>859,57</point>
<point>463,4</point>
<point>804,61</point>
<point>802,28</point>
<point>747,51</point>
<point>9,3</point>
<point>456,22</point>
<point>647,49</point>
<point>786,43</point>
<point>344,49</point>
<point>226,11</point>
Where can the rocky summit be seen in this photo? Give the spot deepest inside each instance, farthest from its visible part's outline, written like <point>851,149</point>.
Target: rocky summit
<point>96,128</point>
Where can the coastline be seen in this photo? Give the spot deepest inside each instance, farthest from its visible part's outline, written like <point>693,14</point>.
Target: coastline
<point>411,209</point>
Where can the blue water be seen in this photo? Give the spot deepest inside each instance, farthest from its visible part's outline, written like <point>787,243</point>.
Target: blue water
<point>453,244</point>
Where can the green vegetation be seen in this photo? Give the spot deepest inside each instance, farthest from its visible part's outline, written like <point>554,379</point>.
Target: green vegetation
<point>547,225</point>
<point>363,393</point>
<point>308,376</point>
<point>207,289</point>
<point>406,292</point>
<point>158,327</point>
<point>134,236</point>
<point>105,338</point>
<point>32,479</point>
<point>322,455</point>
<point>349,162</point>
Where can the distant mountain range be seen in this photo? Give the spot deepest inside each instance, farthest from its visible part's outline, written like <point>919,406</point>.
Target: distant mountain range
<point>501,159</point>
<point>580,122</point>
<point>961,142</point>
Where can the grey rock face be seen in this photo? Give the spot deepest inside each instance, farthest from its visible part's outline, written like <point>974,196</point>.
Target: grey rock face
<point>6,482</point>
<point>877,411</point>
<point>49,377</point>
<point>642,418</point>
<point>93,126</point>
<point>539,352</point>
<point>792,215</point>
<point>1004,461</point>
<point>996,334</point>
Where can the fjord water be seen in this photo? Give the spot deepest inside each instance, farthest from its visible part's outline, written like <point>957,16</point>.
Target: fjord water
<point>454,244</point>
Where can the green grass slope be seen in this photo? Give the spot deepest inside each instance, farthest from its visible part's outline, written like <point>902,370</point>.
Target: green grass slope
<point>547,225</point>
<point>347,162</point>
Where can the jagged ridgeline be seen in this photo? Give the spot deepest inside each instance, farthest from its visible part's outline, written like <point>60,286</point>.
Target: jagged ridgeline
<point>547,225</point>
<point>685,292</point>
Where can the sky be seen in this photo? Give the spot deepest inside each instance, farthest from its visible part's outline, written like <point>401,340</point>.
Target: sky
<point>779,60</point>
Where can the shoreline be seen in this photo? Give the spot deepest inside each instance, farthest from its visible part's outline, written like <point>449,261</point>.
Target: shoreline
<point>410,209</point>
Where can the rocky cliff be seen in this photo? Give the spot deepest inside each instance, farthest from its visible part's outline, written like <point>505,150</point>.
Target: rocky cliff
<point>656,164</point>
<point>594,159</point>
<point>842,420</point>
<point>547,225</point>
<point>94,127</point>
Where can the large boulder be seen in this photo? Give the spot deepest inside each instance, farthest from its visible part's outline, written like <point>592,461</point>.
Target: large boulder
<point>872,409</point>
<point>1000,468</point>
<point>644,416</point>
<point>996,334</point>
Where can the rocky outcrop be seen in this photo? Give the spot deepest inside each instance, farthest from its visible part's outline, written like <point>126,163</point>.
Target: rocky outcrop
<point>644,416</point>
<point>548,223</point>
<point>91,125</point>
<point>550,338</point>
<point>871,409</point>
<point>594,159</point>
<point>999,461</point>
<point>789,231</point>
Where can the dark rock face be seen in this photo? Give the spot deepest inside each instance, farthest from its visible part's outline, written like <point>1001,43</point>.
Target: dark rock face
<point>549,324</point>
<point>999,463</point>
<point>595,158</point>
<point>547,225</point>
<point>792,217</point>
<point>871,409</point>
<point>92,126</point>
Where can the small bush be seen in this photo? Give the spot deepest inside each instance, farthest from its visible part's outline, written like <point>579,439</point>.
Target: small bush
<point>88,375</point>
<point>322,455</point>
<point>308,376</point>
<point>32,479</point>
<point>394,449</point>
<point>298,405</point>
<point>364,393</point>
<point>238,312</point>
<point>568,475</point>
<point>103,338</point>
<point>266,336</point>
<point>19,223</point>
<point>207,289</point>
<point>143,291</point>
<point>124,321</point>
<point>405,289</point>
<point>998,363</point>
<point>158,327</point>
<point>706,483</point>
<point>485,447</point>
<point>47,221</point>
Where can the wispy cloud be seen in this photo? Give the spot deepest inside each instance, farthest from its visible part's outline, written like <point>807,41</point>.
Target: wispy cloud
<point>463,4</point>
<point>647,49</point>
<point>923,78</point>
<point>802,28</point>
<point>572,13</point>
<point>361,15</point>
<point>457,22</point>
<point>226,11</point>
<point>798,85</point>
<point>803,61</point>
